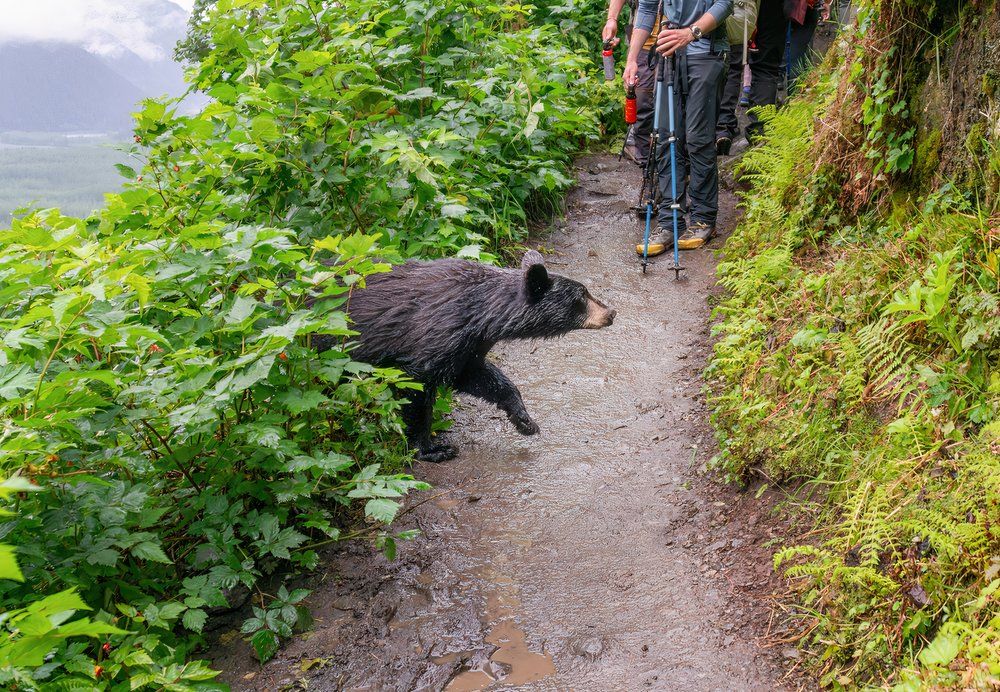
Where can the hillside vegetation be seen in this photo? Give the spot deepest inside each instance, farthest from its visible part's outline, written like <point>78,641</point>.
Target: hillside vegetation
<point>73,175</point>
<point>859,346</point>
<point>173,446</point>
<point>86,77</point>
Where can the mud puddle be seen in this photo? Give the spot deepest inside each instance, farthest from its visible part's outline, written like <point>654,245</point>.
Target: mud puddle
<point>592,556</point>
<point>513,661</point>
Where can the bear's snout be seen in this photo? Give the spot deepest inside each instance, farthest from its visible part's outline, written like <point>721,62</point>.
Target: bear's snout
<point>599,315</point>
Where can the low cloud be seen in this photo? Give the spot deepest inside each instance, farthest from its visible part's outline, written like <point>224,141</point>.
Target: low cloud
<point>104,27</point>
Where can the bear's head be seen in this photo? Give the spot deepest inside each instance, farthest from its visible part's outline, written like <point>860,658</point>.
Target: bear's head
<point>555,304</point>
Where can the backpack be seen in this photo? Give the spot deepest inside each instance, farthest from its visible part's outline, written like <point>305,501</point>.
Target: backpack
<point>795,10</point>
<point>741,24</point>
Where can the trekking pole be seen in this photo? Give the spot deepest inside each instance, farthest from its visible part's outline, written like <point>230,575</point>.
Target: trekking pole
<point>746,37</point>
<point>669,66</point>
<point>649,185</point>
<point>649,181</point>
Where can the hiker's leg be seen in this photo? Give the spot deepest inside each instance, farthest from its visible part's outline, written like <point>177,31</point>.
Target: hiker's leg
<point>766,62</point>
<point>705,77</point>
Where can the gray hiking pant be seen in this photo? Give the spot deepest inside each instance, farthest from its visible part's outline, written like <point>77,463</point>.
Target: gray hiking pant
<point>644,105</point>
<point>697,93</point>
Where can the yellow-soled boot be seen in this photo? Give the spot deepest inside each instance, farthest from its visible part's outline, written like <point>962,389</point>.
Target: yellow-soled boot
<point>659,243</point>
<point>696,235</point>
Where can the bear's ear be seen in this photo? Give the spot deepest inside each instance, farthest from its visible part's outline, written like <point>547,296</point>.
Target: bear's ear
<point>536,277</point>
<point>531,257</point>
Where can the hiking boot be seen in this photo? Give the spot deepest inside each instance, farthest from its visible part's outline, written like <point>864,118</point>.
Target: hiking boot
<point>660,242</point>
<point>631,152</point>
<point>696,235</point>
<point>723,144</point>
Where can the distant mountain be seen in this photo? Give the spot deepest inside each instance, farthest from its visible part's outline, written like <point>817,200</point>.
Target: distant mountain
<point>59,87</point>
<point>168,24</point>
<point>92,86</point>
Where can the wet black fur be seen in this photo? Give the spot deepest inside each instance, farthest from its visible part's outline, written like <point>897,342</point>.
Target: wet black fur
<point>437,320</point>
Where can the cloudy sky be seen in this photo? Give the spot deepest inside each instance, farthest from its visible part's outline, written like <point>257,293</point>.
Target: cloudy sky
<point>102,26</point>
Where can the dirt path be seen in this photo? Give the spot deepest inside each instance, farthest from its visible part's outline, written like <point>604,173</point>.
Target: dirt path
<point>590,557</point>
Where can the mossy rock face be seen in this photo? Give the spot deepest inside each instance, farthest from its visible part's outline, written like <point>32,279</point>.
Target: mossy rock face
<point>858,345</point>
<point>954,110</point>
<point>991,84</point>
<point>975,141</point>
<point>928,157</point>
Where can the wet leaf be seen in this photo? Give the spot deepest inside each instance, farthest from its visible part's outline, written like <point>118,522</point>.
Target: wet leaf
<point>265,644</point>
<point>942,650</point>
<point>918,595</point>
<point>310,663</point>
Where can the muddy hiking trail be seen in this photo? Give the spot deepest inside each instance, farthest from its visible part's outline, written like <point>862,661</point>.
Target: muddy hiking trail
<point>596,555</point>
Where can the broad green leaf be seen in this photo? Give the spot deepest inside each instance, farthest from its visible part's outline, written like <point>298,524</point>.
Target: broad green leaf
<point>28,652</point>
<point>382,510</point>
<point>454,211</point>
<point>264,128</point>
<point>172,610</point>
<point>67,600</point>
<point>195,619</point>
<point>265,644</point>
<point>88,628</point>
<point>150,551</point>
<point>142,286</point>
<point>105,556</point>
<point>942,650</point>
<point>8,564</point>
<point>297,402</point>
<point>470,252</point>
<point>241,309</point>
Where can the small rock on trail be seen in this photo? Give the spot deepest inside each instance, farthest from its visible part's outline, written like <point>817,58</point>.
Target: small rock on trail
<point>589,557</point>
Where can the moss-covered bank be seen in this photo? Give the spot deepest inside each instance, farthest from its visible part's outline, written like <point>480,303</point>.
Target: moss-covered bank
<point>859,345</point>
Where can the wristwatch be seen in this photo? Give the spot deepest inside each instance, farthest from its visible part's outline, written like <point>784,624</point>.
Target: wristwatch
<point>696,31</point>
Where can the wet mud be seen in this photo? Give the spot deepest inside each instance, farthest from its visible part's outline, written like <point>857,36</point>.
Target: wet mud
<point>596,555</point>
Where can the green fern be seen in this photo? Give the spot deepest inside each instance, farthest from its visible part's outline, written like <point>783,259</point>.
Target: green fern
<point>861,354</point>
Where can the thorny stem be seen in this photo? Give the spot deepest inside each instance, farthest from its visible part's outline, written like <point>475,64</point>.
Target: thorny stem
<point>181,467</point>
<point>372,529</point>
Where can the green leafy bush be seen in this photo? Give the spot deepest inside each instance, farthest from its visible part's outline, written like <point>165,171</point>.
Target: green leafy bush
<point>190,440</point>
<point>438,123</point>
<point>29,633</point>
<point>156,375</point>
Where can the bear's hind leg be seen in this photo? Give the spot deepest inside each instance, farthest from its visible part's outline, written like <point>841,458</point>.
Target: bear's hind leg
<point>487,381</point>
<point>419,416</point>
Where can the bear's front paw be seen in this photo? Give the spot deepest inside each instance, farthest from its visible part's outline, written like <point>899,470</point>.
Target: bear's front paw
<point>525,425</point>
<point>437,453</point>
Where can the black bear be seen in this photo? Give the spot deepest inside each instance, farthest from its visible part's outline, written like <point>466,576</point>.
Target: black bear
<point>437,320</point>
